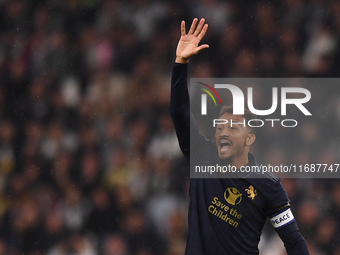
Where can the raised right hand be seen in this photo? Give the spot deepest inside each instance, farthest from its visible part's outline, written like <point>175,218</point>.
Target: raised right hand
<point>188,43</point>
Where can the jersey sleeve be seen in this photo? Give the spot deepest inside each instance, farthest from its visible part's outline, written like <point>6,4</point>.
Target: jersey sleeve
<point>283,221</point>
<point>184,122</point>
<point>294,242</point>
<point>278,206</point>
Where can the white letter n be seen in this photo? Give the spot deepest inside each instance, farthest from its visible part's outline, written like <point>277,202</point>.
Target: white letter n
<point>238,97</point>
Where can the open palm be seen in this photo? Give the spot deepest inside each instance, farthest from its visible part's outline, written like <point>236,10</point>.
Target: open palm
<point>188,43</point>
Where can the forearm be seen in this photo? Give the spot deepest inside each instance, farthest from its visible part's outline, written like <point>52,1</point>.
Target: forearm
<point>187,46</point>
<point>180,105</point>
<point>293,240</point>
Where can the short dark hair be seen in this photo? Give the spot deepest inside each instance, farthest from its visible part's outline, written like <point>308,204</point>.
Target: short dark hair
<point>248,115</point>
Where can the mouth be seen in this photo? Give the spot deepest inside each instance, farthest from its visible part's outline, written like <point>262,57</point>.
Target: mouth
<point>225,145</point>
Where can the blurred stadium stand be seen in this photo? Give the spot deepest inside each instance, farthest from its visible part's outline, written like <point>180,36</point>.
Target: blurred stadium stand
<point>89,161</point>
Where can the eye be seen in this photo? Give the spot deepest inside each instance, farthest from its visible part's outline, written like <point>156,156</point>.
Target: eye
<point>233,128</point>
<point>219,128</point>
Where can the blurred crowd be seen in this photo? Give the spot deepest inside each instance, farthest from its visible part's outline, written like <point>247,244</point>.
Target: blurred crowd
<point>89,161</point>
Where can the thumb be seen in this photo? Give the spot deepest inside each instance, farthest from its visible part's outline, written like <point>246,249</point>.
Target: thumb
<point>201,47</point>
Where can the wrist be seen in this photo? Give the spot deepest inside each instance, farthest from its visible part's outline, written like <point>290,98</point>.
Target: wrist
<point>181,60</point>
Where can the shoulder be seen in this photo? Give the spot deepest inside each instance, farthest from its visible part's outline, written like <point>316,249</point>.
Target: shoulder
<point>268,184</point>
<point>265,178</point>
<point>273,192</point>
<point>267,181</point>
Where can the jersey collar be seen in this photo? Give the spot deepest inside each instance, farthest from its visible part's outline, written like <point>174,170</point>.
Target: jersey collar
<point>252,162</point>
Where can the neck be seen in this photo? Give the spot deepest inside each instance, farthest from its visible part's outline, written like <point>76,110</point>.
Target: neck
<point>238,162</point>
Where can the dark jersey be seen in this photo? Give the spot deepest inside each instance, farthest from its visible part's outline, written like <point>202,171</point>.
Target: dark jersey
<point>230,212</point>
<point>226,215</point>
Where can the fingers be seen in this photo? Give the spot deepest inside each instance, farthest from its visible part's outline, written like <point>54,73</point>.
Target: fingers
<point>202,33</point>
<point>201,47</point>
<point>198,49</point>
<point>199,27</point>
<point>182,28</point>
<point>193,25</point>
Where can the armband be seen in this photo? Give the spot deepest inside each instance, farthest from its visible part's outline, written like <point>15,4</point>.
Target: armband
<point>282,218</point>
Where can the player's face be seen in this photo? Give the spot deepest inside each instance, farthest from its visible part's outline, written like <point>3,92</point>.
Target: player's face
<point>231,138</point>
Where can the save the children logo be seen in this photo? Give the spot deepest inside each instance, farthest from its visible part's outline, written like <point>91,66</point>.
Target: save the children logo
<point>232,196</point>
<point>239,102</point>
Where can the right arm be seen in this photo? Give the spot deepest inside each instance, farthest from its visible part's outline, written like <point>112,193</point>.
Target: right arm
<point>179,101</point>
<point>180,107</point>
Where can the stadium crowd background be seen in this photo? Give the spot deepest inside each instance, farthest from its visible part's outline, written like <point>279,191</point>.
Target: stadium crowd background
<point>89,161</point>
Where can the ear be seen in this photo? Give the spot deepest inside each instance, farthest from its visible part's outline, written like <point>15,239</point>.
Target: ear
<point>250,139</point>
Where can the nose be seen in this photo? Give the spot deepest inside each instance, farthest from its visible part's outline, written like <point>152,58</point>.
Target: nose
<point>225,132</point>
